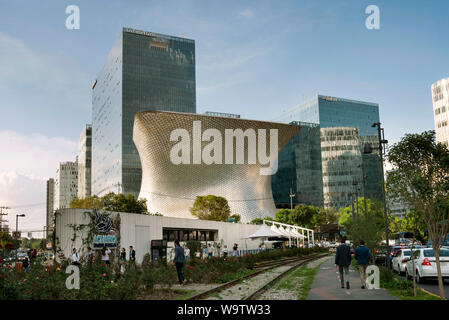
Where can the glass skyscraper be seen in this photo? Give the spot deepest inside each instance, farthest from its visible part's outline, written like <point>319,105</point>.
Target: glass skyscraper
<point>143,71</point>
<point>299,169</point>
<point>330,112</point>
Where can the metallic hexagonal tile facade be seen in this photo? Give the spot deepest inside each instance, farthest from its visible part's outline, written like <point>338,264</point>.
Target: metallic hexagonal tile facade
<point>171,189</point>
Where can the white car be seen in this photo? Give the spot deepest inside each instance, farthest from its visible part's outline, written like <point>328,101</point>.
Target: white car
<point>400,259</point>
<point>425,265</point>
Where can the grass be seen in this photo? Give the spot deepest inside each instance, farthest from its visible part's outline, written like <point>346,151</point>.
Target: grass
<point>185,294</point>
<point>403,289</point>
<point>227,277</point>
<point>300,281</point>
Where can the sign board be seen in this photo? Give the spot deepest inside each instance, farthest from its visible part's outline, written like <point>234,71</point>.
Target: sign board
<point>16,235</point>
<point>101,241</point>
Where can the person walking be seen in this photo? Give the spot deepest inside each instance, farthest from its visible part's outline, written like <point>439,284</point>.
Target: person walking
<point>205,253</point>
<point>235,250</point>
<point>343,260</point>
<point>26,264</point>
<point>75,257</point>
<point>123,255</point>
<point>210,251</point>
<point>179,261</point>
<point>225,251</point>
<point>132,254</point>
<point>186,253</point>
<point>362,255</point>
<point>105,255</point>
<point>89,256</point>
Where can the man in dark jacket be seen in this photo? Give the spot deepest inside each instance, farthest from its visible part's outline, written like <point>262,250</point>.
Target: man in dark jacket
<point>343,260</point>
<point>179,261</point>
<point>362,256</point>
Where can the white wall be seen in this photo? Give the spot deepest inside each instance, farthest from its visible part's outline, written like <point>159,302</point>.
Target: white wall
<point>138,230</point>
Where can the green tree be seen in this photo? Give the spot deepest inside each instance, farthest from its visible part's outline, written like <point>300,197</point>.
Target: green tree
<point>236,218</point>
<point>420,180</point>
<point>211,207</point>
<point>367,226</point>
<point>303,215</point>
<point>112,202</point>
<point>325,216</point>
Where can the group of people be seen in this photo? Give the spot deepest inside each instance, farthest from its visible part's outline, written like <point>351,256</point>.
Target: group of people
<point>182,254</point>
<point>343,260</point>
<point>89,257</point>
<point>210,251</point>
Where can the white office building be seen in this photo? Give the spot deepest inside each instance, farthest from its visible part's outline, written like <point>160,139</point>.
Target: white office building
<point>66,184</point>
<point>440,98</point>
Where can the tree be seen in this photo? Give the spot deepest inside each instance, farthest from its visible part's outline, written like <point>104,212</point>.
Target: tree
<point>367,226</point>
<point>420,179</point>
<point>325,216</point>
<point>112,202</point>
<point>211,207</point>
<point>303,215</point>
<point>236,218</point>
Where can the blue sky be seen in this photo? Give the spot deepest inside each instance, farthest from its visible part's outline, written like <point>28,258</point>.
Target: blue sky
<point>254,58</point>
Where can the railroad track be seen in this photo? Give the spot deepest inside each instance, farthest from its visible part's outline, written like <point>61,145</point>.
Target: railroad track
<point>261,268</point>
<point>266,286</point>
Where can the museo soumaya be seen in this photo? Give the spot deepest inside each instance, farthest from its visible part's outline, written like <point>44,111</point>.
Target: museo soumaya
<point>212,152</point>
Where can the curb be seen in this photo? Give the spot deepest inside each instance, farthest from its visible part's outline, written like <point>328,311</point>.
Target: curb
<point>428,292</point>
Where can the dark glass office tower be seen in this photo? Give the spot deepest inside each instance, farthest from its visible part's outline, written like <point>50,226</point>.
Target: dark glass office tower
<point>299,169</point>
<point>331,112</point>
<point>143,71</point>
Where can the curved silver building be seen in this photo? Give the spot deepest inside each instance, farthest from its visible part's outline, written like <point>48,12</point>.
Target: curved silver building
<point>186,155</point>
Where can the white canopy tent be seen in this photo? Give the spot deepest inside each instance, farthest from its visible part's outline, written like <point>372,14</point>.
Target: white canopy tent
<point>264,232</point>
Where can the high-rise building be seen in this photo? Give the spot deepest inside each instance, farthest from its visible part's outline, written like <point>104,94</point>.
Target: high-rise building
<point>66,184</point>
<point>333,112</point>
<point>84,162</point>
<point>50,203</point>
<point>299,172</point>
<point>440,98</point>
<point>342,165</point>
<point>143,71</point>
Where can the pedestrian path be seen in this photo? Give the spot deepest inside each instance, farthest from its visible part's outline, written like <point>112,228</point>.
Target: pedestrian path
<point>326,286</point>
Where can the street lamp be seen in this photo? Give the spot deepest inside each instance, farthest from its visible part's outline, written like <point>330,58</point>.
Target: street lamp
<point>17,227</point>
<point>382,141</point>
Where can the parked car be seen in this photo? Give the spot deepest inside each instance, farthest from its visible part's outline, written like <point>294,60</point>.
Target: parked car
<point>424,263</point>
<point>400,259</point>
<point>381,256</point>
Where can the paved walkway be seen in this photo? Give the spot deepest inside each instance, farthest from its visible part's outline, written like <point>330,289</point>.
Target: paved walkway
<point>326,286</point>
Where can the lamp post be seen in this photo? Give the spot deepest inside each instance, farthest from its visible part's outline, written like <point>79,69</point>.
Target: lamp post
<point>17,228</point>
<point>382,141</point>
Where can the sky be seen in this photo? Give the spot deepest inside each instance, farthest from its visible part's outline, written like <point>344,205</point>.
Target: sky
<point>253,58</point>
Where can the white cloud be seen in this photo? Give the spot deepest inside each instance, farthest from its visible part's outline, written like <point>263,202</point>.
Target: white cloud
<point>17,189</point>
<point>27,161</point>
<point>246,13</point>
<point>34,155</point>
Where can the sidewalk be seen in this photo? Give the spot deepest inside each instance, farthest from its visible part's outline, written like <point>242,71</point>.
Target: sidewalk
<point>326,286</point>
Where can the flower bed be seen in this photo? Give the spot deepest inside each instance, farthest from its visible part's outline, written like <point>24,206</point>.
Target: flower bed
<point>100,281</point>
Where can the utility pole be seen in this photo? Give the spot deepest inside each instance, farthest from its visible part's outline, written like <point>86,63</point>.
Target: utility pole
<point>119,186</point>
<point>292,195</point>
<point>382,141</point>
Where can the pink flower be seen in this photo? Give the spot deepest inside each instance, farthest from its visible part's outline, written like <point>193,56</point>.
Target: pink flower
<point>47,267</point>
<point>24,280</point>
<point>190,267</point>
<point>104,274</point>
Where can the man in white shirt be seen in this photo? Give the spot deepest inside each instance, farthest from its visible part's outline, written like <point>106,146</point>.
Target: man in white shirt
<point>75,257</point>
